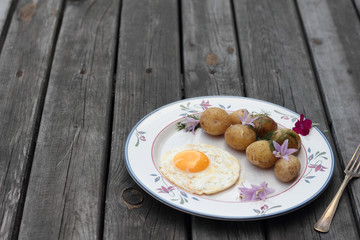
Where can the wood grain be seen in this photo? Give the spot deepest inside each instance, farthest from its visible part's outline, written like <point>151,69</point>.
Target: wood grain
<point>69,98</point>
<point>357,5</point>
<point>66,187</point>
<point>212,67</point>
<point>148,76</point>
<point>4,11</point>
<point>24,67</point>
<point>278,69</point>
<point>215,229</point>
<point>211,60</point>
<point>5,17</point>
<point>333,31</point>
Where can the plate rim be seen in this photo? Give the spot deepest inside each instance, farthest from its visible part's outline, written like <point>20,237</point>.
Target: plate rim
<point>222,217</point>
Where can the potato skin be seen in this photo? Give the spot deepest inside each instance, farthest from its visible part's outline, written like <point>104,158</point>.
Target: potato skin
<point>280,135</point>
<point>287,171</point>
<point>264,124</point>
<point>239,136</point>
<point>260,154</point>
<point>234,118</point>
<point>215,121</point>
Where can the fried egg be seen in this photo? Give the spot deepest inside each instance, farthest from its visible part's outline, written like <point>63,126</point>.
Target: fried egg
<point>200,168</point>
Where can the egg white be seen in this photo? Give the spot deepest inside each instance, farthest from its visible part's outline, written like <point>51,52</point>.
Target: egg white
<point>223,170</point>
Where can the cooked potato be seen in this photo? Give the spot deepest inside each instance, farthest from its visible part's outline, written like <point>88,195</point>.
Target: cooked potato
<point>234,118</point>
<point>215,121</point>
<point>280,135</point>
<point>287,171</point>
<point>260,154</point>
<point>264,124</point>
<point>239,136</point>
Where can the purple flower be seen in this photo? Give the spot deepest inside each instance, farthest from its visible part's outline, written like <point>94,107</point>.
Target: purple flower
<point>247,119</point>
<point>255,192</point>
<point>190,124</point>
<point>302,126</point>
<point>283,151</point>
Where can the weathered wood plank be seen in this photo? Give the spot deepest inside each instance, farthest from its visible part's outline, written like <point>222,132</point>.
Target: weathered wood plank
<point>148,76</point>
<point>24,67</point>
<point>211,61</point>
<point>215,229</point>
<point>66,187</point>
<point>278,69</point>
<point>5,11</point>
<point>357,5</point>
<point>333,30</point>
<point>212,67</point>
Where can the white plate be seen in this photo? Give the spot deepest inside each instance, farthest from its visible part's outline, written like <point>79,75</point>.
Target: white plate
<point>156,133</point>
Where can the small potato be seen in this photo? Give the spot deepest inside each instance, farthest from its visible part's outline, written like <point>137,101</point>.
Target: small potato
<point>215,121</point>
<point>282,134</point>
<point>287,171</point>
<point>260,154</point>
<point>234,118</point>
<point>264,124</point>
<point>239,136</point>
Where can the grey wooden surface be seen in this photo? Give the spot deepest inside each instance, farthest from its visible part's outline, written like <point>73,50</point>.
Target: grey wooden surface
<point>67,181</point>
<point>25,64</point>
<point>148,76</point>
<point>76,76</point>
<point>286,78</point>
<point>6,9</point>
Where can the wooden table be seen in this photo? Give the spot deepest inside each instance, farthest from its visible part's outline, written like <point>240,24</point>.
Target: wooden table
<point>76,75</point>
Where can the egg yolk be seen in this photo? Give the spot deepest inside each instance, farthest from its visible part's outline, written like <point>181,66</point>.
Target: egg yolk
<point>191,161</point>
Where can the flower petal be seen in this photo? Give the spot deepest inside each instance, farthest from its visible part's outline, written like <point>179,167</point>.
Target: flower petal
<point>304,132</point>
<point>245,114</point>
<point>255,192</point>
<point>307,123</point>
<point>241,118</point>
<point>253,119</point>
<point>263,185</point>
<point>277,146</point>
<point>290,151</point>
<point>296,129</point>
<point>269,190</point>
<point>262,195</point>
<point>284,147</point>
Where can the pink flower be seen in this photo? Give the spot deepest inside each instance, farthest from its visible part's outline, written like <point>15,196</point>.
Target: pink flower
<point>265,207</point>
<point>283,151</point>
<point>318,167</point>
<point>302,126</point>
<point>166,190</point>
<point>247,119</point>
<point>205,105</point>
<point>142,138</point>
<point>255,192</point>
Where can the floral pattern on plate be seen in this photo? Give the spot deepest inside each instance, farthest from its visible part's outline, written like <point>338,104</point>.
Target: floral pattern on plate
<point>158,130</point>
